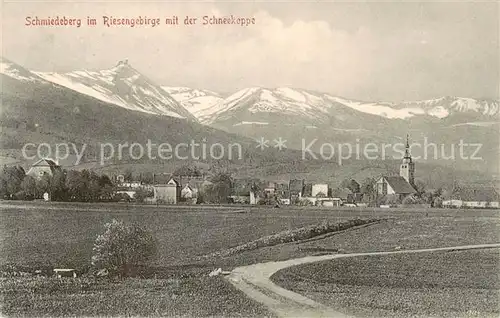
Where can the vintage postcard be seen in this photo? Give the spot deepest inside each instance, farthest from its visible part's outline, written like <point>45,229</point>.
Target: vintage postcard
<point>249,158</point>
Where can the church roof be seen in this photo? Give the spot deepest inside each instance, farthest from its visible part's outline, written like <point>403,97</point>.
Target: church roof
<point>400,185</point>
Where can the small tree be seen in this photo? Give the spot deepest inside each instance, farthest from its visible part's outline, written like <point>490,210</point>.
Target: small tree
<point>141,194</point>
<point>220,190</point>
<point>29,188</point>
<point>121,248</point>
<point>350,184</point>
<point>368,186</point>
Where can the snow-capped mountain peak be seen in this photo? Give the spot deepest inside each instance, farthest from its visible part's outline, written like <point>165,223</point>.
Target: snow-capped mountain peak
<point>311,106</point>
<point>121,85</point>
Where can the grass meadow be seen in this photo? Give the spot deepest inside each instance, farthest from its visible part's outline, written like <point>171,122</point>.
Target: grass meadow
<point>431,284</point>
<point>42,236</point>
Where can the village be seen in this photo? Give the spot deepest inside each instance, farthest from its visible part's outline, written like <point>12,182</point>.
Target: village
<point>190,186</point>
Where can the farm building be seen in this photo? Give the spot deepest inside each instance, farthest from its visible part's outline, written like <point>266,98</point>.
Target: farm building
<point>191,187</point>
<point>473,197</point>
<point>319,189</point>
<point>43,167</point>
<point>167,192</point>
<point>188,192</point>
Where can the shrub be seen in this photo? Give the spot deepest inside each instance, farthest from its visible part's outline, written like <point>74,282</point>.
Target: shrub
<point>391,199</point>
<point>121,248</point>
<point>410,200</point>
<point>438,202</point>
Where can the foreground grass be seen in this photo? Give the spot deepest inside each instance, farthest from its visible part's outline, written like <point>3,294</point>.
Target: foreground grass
<point>43,236</point>
<point>405,232</point>
<point>443,284</point>
<point>193,297</point>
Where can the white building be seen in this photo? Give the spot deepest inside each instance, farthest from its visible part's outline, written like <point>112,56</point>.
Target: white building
<point>319,188</point>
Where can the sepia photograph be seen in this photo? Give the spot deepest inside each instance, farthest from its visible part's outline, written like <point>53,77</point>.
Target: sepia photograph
<point>249,158</point>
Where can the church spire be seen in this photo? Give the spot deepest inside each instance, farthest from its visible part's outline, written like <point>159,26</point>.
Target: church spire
<point>407,167</point>
<point>407,148</point>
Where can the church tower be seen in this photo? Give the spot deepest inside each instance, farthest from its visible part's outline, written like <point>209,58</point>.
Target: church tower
<point>407,167</point>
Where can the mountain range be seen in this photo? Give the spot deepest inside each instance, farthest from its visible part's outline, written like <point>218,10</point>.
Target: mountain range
<point>121,103</point>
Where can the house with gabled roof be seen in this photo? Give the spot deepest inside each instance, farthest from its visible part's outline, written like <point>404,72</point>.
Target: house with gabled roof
<point>168,192</point>
<point>43,167</point>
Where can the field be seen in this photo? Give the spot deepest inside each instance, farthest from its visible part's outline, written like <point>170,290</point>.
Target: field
<point>198,297</point>
<point>434,284</point>
<point>41,236</point>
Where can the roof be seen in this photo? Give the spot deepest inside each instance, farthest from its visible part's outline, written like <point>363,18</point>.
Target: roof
<point>476,193</point>
<point>45,163</point>
<point>400,185</point>
<point>161,178</point>
<point>164,179</point>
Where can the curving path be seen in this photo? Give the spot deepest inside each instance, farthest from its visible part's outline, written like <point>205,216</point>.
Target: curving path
<point>254,281</point>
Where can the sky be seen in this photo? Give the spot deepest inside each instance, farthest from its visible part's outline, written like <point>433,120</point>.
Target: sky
<point>388,51</point>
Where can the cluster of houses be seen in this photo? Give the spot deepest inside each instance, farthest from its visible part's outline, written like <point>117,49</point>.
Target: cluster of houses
<point>170,189</point>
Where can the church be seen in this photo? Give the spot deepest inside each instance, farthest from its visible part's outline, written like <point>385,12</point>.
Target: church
<point>401,185</point>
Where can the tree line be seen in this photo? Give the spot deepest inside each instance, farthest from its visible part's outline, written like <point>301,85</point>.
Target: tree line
<point>62,185</point>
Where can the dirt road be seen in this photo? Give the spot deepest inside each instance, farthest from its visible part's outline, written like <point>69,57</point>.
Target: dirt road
<point>254,281</point>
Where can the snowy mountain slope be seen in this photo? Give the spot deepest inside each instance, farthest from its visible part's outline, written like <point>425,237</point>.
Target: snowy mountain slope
<point>459,104</point>
<point>255,100</point>
<point>123,86</point>
<point>17,72</point>
<point>314,106</point>
<point>196,101</point>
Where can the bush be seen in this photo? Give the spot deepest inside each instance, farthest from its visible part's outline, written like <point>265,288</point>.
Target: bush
<point>438,202</point>
<point>121,248</point>
<point>410,200</point>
